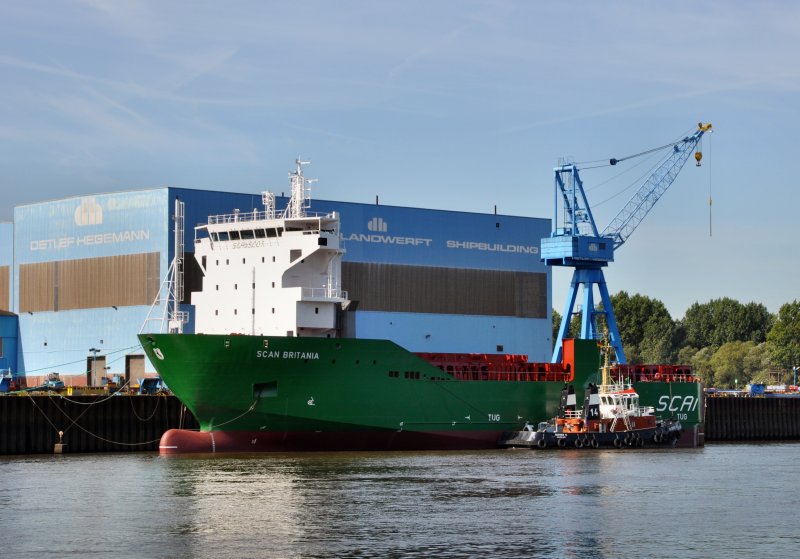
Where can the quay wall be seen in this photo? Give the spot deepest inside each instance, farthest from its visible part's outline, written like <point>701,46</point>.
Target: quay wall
<point>752,419</point>
<point>30,424</point>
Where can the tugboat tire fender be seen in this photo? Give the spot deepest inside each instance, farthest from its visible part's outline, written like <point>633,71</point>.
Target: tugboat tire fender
<point>541,443</point>
<point>595,444</point>
<point>617,442</point>
<point>578,443</point>
<point>562,443</point>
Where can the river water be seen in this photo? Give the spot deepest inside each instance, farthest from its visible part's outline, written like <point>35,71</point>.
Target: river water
<point>733,500</point>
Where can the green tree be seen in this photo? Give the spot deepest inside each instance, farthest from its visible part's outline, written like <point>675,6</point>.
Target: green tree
<point>686,354</point>
<point>647,330</point>
<point>759,322</point>
<point>784,337</point>
<point>574,329</point>
<point>725,320</point>
<point>757,362</point>
<point>728,363</point>
<point>701,364</point>
<point>555,326</point>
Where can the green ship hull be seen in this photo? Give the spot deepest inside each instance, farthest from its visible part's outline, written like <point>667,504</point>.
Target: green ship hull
<point>256,394</point>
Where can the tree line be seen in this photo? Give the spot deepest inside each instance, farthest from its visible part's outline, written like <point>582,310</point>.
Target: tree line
<point>728,343</point>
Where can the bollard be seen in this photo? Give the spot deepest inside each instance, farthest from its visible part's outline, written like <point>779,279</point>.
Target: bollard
<point>59,446</point>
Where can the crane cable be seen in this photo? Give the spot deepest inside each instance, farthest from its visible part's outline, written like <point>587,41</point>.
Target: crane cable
<point>709,187</point>
<point>636,182</point>
<point>614,160</point>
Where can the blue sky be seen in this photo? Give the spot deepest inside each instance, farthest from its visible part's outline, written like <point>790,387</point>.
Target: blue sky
<point>459,105</point>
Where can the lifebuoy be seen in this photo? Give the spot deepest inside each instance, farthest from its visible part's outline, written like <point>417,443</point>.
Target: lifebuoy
<point>541,443</point>
<point>578,443</point>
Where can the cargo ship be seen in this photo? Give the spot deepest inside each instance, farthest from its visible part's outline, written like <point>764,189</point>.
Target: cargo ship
<point>268,370</point>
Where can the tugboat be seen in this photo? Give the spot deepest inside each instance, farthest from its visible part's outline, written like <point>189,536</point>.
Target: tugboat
<point>611,417</point>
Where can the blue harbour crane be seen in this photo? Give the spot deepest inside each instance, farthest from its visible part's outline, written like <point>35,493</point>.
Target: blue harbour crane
<point>576,241</point>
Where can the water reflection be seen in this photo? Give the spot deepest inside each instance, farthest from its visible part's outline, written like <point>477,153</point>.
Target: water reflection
<point>484,504</point>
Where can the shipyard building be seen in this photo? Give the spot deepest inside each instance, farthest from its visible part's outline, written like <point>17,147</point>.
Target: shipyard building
<point>79,276</point>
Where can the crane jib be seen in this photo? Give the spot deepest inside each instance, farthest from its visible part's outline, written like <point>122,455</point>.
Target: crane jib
<point>576,242</point>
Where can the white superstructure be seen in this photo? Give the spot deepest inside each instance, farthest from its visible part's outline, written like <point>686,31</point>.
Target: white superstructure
<point>269,272</point>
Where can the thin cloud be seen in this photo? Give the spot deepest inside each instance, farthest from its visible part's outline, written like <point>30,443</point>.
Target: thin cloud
<point>127,87</point>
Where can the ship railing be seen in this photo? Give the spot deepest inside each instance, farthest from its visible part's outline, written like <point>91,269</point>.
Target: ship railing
<point>654,373</point>
<point>323,293</point>
<point>255,215</point>
<point>608,388</point>
<point>471,373</point>
<point>573,414</point>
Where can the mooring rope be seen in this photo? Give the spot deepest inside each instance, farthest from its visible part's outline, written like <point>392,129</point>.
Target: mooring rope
<point>35,405</point>
<point>75,423</point>
<point>155,409</point>
<point>98,437</point>
<point>248,410</point>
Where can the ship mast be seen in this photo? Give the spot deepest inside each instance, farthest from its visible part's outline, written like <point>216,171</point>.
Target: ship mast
<point>605,350</point>
<point>301,193</point>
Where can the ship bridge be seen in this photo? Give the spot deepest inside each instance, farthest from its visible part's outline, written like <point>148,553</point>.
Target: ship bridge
<point>268,272</point>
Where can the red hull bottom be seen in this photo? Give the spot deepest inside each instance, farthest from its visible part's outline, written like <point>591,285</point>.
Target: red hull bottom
<point>179,441</point>
<point>692,437</point>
